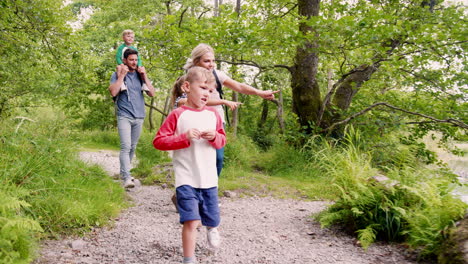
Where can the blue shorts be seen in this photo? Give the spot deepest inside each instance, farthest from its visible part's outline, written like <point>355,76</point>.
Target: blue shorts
<point>198,204</point>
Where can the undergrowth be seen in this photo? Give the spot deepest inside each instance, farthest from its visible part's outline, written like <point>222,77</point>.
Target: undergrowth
<point>410,203</point>
<point>45,190</point>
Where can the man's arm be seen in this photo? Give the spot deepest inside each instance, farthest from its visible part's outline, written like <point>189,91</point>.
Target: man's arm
<point>114,88</point>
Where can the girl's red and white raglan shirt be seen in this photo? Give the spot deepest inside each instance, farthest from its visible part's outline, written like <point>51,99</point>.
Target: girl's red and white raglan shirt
<point>194,160</point>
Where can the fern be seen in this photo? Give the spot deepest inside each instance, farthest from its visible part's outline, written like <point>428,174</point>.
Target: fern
<point>367,236</point>
<point>15,229</point>
<point>416,210</point>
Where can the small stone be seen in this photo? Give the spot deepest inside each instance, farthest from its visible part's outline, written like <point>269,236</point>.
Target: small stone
<point>229,194</point>
<point>77,244</point>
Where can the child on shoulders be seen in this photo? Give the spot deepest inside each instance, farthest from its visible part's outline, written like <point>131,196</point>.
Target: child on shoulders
<point>128,36</point>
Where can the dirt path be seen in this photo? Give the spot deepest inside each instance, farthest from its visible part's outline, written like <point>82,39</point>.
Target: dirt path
<point>254,230</point>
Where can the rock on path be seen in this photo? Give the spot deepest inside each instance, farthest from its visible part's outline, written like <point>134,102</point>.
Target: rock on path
<point>254,230</point>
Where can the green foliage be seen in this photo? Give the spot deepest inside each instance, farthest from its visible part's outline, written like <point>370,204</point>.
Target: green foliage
<point>240,151</point>
<point>98,139</point>
<point>414,204</point>
<point>16,229</point>
<point>44,186</point>
<point>148,157</point>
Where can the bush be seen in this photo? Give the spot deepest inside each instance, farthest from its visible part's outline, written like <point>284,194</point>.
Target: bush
<point>240,152</point>
<point>415,205</point>
<point>39,167</point>
<point>148,157</point>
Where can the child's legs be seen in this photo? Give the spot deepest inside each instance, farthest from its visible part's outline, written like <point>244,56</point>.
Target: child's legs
<point>209,208</point>
<point>188,204</point>
<point>189,237</point>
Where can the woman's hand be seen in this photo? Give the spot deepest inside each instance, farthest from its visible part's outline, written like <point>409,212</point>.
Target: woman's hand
<point>231,104</point>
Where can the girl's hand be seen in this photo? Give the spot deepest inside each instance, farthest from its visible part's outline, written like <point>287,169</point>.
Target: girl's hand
<point>232,105</point>
<point>193,133</point>
<point>141,70</point>
<point>208,135</point>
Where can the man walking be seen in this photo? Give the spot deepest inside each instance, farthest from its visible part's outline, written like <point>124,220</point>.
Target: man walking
<point>130,105</point>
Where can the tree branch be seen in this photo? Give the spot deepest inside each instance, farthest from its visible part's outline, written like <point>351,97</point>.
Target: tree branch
<point>432,47</point>
<point>157,109</point>
<point>182,16</point>
<point>289,10</point>
<point>326,100</point>
<point>451,121</point>
<point>254,64</point>
<point>202,13</point>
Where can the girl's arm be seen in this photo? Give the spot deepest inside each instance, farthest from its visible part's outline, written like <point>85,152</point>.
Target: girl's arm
<point>180,102</point>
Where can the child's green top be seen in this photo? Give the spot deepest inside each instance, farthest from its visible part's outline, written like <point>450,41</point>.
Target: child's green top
<point>120,51</point>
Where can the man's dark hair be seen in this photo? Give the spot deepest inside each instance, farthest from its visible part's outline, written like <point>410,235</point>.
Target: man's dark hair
<point>129,52</point>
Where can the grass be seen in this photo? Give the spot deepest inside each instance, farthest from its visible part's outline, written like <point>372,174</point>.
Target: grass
<point>417,211</point>
<point>46,191</point>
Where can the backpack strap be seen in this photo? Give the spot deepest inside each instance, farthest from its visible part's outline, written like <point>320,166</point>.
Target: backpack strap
<point>125,82</point>
<point>219,85</point>
<point>219,88</point>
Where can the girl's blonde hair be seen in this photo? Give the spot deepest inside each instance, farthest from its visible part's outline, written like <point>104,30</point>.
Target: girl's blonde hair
<point>197,52</point>
<point>177,89</point>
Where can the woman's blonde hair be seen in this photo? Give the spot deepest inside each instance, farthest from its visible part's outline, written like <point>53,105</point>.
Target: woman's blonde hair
<point>197,52</point>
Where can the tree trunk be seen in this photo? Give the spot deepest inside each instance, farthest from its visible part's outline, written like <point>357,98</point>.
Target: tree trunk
<point>349,85</point>
<point>280,111</point>
<point>235,95</point>
<point>305,88</point>
<point>216,8</point>
<point>235,114</point>
<point>150,116</point>
<point>264,115</point>
<point>238,6</point>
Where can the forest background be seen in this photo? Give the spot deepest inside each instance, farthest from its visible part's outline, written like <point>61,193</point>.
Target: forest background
<point>364,86</point>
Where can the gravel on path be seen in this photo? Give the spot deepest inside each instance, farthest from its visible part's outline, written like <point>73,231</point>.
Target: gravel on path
<point>253,230</point>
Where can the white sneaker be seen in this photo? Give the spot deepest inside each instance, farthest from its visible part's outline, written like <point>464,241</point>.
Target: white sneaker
<point>145,88</point>
<point>214,239</point>
<point>128,183</point>
<point>123,87</point>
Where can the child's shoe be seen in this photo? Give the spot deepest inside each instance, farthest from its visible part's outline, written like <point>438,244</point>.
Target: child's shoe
<point>144,87</point>
<point>214,239</point>
<point>123,87</point>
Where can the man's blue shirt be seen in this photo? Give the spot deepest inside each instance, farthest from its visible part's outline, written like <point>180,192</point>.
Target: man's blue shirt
<point>131,102</point>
